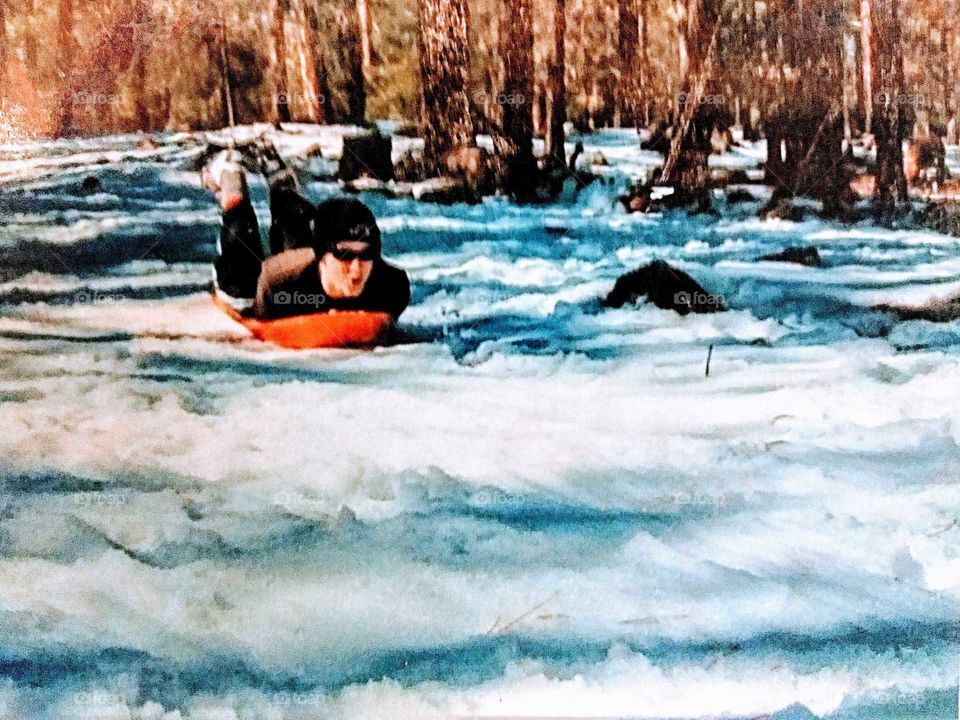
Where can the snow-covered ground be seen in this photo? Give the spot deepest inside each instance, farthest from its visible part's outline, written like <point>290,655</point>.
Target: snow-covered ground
<point>531,506</point>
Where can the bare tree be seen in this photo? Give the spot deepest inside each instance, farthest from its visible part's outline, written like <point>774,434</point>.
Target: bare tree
<point>628,41</point>
<point>889,108</point>
<point>513,128</point>
<point>280,103</point>
<point>867,45</point>
<point>444,64</point>
<point>554,153</point>
<point>66,69</point>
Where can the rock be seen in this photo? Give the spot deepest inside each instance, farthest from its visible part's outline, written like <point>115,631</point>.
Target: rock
<point>366,156</point>
<point>90,184</point>
<point>366,184</point>
<point>782,209</point>
<point>807,256</point>
<point>943,310</point>
<point>726,176</point>
<point>148,143</point>
<point>739,195</point>
<point>444,190</point>
<point>666,287</point>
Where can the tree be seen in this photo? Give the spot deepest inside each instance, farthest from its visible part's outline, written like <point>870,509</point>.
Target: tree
<point>278,62</point>
<point>866,53</point>
<point>685,166</point>
<point>3,51</point>
<point>554,153</point>
<point>628,40</point>
<point>66,59</point>
<point>513,127</point>
<point>889,109</point>
<point>444,64</point>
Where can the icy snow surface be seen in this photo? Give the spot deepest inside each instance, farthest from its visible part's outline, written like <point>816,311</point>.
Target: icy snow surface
<point>530,506</point>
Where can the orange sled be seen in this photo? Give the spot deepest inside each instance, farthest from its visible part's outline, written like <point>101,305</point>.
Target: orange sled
<point>332,329</point>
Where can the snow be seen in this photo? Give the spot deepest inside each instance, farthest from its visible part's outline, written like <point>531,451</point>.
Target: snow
<point>530,506</point>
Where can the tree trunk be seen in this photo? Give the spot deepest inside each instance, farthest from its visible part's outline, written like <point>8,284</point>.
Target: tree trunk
<point>643,66</point>
<point>867,45</point>
<point>554,153</point>
<point>280,106</point>
<point>226,79</point>
<point>685,166</point>
<point>319,65</point>
<point>444,67</point>
<point>141,106</point>
<point>365,25</point>
<point>945,76</point>
<point>350,37</point>
<point>513,129</point>
<point>3,52</point>
<point>890,124</point>
<point>628,46</point>
<point>305,65</point>
<point>66,62</point>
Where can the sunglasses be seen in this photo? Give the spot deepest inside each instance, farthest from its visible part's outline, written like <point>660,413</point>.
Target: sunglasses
<point>345,255</point>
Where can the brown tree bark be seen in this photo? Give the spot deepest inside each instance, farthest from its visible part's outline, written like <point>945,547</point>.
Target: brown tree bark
<point>350,39</point>
<point>643,66</point>
<point>66,59</point>
<point>305,65</point>
<point>867,45</point>
<point>891,125</point>
<point>513,129</point>
<point>226,77</point>
<point>554,152</point>
<point>685,166</point>
<point>3,51</point>
<point>444,67</point>
<point>141,106</point>
<point>628,46</point>
<point>280,105</point>
<point>946,74</point>
<point>365,25</point>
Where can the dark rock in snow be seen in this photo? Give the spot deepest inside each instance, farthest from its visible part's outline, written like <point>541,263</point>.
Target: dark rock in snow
<point>666,287</point>
<point>90,184</point>
<point>366,156</point>
<point>739,195</point>
<point>807,255</point>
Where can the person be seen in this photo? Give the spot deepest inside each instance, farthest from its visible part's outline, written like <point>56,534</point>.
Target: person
<point>321,258</point>
<point>341,269</point>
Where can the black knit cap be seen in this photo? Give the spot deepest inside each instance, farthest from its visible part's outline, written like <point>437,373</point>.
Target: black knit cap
<point>341,219</point>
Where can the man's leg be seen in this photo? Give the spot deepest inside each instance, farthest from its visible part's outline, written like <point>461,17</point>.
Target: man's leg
<point>240,249</point>
<point>291,214</point>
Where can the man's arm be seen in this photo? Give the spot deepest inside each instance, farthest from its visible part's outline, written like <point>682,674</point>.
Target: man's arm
<point>278,270</point>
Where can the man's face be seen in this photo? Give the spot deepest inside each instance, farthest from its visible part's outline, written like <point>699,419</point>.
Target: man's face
<point>344,271</point>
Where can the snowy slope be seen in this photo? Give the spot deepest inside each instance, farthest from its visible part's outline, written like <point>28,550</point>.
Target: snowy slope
<point>529,507</point>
